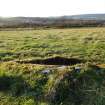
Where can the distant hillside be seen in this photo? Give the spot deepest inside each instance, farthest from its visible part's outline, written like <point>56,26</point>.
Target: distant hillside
<point>63,21</point>
<point>87,17</point>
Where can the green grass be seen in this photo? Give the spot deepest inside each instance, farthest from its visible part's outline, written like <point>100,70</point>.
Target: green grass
<point>25,84</point>
<point>85,43</point>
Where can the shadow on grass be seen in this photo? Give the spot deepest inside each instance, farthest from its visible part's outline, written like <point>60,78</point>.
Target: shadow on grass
<point>85,88</point>
<point>15,85</point>
<point>54,61</point>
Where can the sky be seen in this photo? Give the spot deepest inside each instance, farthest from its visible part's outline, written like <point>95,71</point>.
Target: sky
<point>45,8</point>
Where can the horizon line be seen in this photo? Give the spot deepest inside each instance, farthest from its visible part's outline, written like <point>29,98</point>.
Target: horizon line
<point>52,16</point>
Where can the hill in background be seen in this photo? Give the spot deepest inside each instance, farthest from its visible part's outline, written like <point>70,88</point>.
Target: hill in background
<point>63,21</point>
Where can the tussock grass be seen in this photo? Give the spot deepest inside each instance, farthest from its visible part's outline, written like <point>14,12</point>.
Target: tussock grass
<point>26,84</point>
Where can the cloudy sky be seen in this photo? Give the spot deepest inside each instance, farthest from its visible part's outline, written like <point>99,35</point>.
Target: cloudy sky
<point>45,8</point>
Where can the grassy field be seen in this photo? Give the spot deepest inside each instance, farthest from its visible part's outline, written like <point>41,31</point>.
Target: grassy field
<point>26,84</point>
<point>85,43</point>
